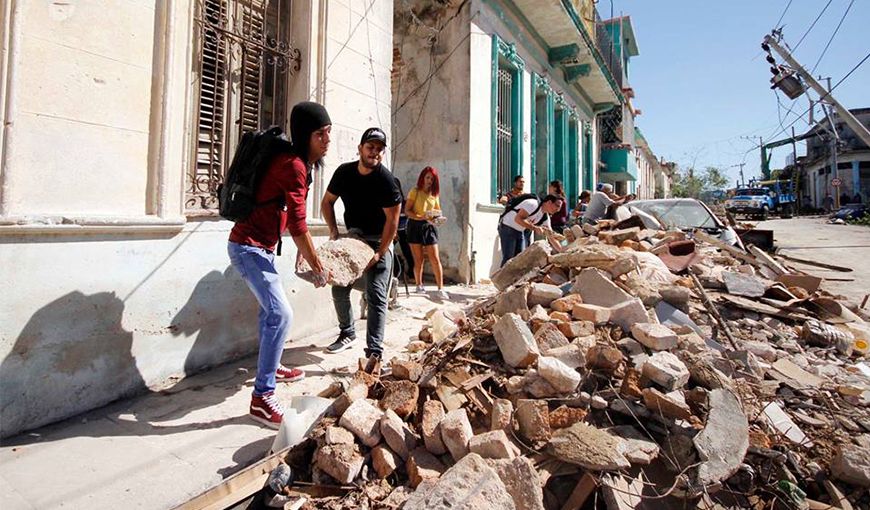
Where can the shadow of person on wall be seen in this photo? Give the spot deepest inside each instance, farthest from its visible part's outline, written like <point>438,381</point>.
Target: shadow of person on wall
<point>72,354</point>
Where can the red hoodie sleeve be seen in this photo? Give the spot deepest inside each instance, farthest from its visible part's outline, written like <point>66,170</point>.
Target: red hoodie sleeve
<point>294,184</point>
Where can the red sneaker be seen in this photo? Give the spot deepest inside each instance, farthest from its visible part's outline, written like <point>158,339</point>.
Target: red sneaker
<point>267,410</point>
<point>288,374</point>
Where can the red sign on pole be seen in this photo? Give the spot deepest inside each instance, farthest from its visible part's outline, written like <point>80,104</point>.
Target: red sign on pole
<point>836,182</point>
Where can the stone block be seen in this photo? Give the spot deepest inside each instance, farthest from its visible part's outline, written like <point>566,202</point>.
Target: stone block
<point>597,289</point>
<point>666,370</point>
<point>549,336</point>
<point>470,484</point>
<point>384,461</point>
<point>676,295</point>
<point>588,447</point>
<point>492,445</point>
<point>456,432</point>
<point>539,387</point>
<point>345,259</point>
<point>406,369</point>
<point>515,341</point>
<point>851,464</point>
<point>561,316</point>
<point>522,482</point>
<point>433,413</point>
<point>597,315</point>
<point>337,435</point>
<point>564,416</point>
<point>356,391</point>
<point>566,304</point>
<point>636,447</point>
<point>340,461</point>
<point>543,294</point>
<point>422,466</point>
<point>401,397</point>
<point>513,301</point>
<point>399,437</point>
<point>628,313</point>
<point>363,419</point>
<point>574,329</point>
<point>654,336</point>
<point>603,357</point>
<point>530,259</point>
<point>533,418</point>
<point>573,355</point>
<point>669,405</point>
<point>501,415</point>
<point>723,443</point>
<point>539,313</point>
<point>562,377</point>
<point>619,236</point>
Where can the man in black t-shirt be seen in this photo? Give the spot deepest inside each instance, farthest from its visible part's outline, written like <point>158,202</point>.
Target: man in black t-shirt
<point>372,202</point>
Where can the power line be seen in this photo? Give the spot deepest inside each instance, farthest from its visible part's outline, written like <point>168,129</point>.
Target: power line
<point>832,36</point>
<point>783,14</point>
<point>825,8</point>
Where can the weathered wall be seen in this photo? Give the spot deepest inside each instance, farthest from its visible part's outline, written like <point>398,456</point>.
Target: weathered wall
<point>115,292</point>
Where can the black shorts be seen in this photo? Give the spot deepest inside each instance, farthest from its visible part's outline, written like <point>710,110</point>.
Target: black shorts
<point>422,232</point>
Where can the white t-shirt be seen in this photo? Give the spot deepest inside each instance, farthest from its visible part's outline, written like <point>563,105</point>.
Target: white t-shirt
<point>597,207</point>
<point>529,205</point>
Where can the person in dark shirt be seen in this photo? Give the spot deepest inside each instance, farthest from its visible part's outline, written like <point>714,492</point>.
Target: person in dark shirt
<point>559,219</point>
<point>372,202</point>
<point>282,191</point>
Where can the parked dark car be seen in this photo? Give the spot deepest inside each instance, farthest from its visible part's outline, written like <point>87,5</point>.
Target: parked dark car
<point>851,212</point>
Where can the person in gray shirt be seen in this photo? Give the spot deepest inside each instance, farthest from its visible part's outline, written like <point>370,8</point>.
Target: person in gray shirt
<point>600,201</point>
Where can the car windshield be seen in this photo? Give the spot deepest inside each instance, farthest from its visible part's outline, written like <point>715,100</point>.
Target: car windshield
<point>751,192</point>
<point>682,214</point>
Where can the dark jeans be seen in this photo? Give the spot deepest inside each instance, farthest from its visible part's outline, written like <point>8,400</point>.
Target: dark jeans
<point>377,284</point>
<point>512,242</point>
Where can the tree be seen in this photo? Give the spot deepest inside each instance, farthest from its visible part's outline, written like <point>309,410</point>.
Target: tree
<point>714,179</point>
<point>689,185</point>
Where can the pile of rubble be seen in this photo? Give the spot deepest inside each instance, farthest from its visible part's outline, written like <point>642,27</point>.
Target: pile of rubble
<point>627,368</point>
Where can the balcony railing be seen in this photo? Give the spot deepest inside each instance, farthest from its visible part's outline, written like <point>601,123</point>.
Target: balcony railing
<point>608,50</point>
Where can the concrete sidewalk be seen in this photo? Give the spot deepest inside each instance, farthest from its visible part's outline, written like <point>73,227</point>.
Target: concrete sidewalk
<point>161,449</point>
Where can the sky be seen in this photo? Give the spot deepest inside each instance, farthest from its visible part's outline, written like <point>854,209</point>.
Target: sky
<point>702,82</point>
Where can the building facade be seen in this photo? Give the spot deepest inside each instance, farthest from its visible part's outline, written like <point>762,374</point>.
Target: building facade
<point>486,90</point>
<point>116,133</point>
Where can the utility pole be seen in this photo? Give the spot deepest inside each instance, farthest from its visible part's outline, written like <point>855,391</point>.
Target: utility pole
<point>862,132</point>
<point>741,165</point>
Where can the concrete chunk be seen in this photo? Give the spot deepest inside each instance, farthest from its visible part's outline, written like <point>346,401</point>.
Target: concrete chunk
<point>533,418</point>
<point>502,415</point>
<point>667,370</point>
<point>400,438</point>
<point>340,461</point>
<point>433,413</point>
<point>628,313</point>
<point>543,294</point>
<point>654,336</point>
<point>470,484</point>
<point>338,435</point>
<point>401,397</point>
<point>670,405</point>
<point>422,466</point>
<point>562,377</point>
<point>723,443</point>
<point>515,341</point>
<point>345,259</point>
<point>597,289</point>
<point>522,482</point>
<point>456,432</point>
<point>384,461</point>
<point>492,445</point>
<point>574,329</point>
<point>363,419</point>
<point>533,257</point>
<point>851,464</point>
<point>513,301</point>
<point>619,236</point>
<point>597,315</point>
<point>588,447</point>
<point>406,369</point>
<point>548,336</point>
<point>604,357</point>
<point>566,304</point>
<point>573,355</point>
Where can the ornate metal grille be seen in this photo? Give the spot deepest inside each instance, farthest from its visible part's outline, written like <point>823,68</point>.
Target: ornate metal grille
<point>244,61</point>
<point>610,124</point>
<point>504,129</point>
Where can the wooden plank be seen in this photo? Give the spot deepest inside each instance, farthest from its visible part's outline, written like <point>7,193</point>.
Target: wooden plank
<point>237,487</point>
<point>584,488</point>
<point>807,282</point>
<point>767,260</point>
<point>815,263</point>
<point>735,252</point>
<point>837,497</point>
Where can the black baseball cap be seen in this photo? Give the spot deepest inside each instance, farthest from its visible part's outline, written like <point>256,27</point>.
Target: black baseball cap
<point>373,133</point>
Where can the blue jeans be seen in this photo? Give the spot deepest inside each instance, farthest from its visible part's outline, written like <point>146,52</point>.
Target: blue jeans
<point>377,283</point>
<point>512,242</point>
<point>257,268</point>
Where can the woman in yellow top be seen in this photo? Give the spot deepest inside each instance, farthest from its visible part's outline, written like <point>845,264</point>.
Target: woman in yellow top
<point>423,210</point>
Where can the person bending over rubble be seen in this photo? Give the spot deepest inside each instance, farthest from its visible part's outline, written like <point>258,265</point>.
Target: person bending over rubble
<point>529,215</point>
<point>600,201</point>
<point>372,202</point>
<point>424,210</point>
<point>282,192</point>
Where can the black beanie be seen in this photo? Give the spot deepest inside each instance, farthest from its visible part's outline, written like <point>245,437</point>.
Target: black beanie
<point>306,118</point>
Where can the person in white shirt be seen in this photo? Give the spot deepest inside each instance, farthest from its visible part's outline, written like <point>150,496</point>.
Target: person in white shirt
<point>530,214</point>
<point>600,201</point>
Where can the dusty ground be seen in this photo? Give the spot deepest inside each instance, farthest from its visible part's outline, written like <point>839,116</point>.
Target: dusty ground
<point>841,245</point>
<point>161,449</point>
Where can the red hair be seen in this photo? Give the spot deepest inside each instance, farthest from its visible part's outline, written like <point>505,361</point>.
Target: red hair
<point>436,187</point>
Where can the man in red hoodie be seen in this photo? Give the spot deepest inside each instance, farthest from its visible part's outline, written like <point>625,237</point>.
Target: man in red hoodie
<point>282,192</point>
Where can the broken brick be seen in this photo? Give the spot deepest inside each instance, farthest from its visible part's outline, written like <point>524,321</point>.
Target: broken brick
<point>363,419</point>
<point>401,397</point>
<point>515,341</point>
<point>456,432</point>
<point>549,336</point>
<point>533,418</point>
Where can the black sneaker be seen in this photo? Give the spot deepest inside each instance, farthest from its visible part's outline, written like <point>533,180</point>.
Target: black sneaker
<point>342,343</point>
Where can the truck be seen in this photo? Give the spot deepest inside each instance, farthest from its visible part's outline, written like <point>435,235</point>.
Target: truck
<point>761,198</point>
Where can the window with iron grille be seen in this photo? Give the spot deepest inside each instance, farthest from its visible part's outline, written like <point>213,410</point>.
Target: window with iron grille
<point>507,86</point>
<point>243,62</point>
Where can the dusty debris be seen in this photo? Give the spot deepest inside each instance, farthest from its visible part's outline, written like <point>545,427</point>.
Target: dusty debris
<point>724,373</point>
